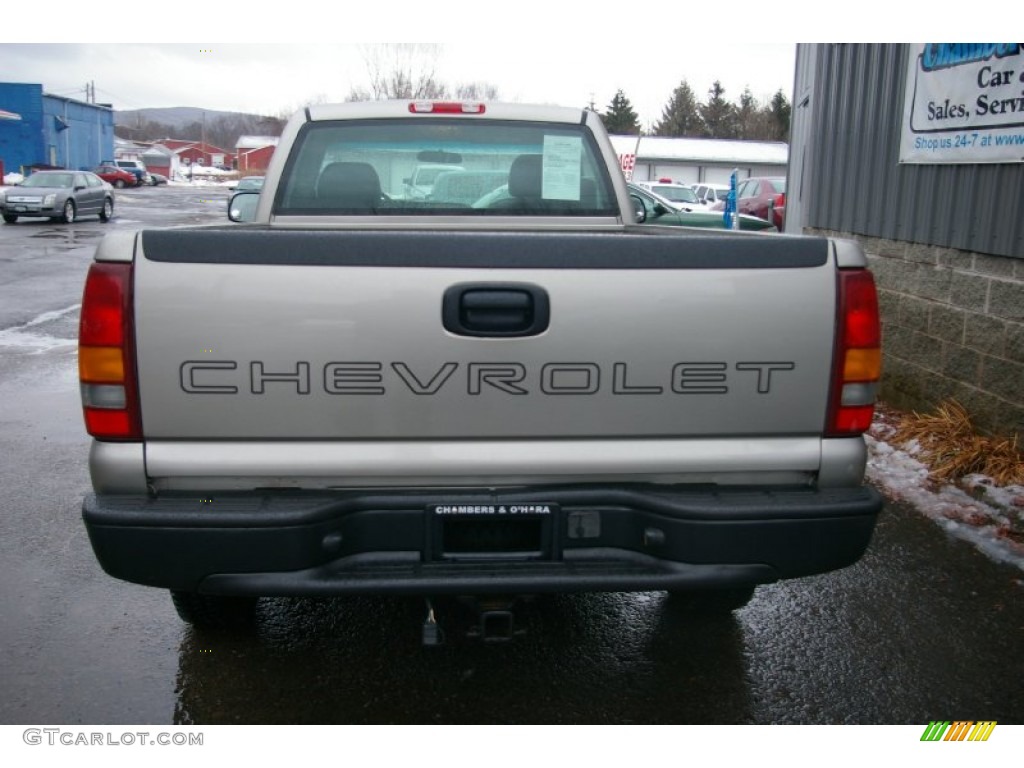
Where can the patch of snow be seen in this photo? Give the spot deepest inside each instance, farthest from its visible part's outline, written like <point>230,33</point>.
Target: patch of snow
<point>203,182</point>
<point>20,337</point>
<point>35,341</point>
<point>48,316</point>
<point>11,179</point>
<point>984,523</point>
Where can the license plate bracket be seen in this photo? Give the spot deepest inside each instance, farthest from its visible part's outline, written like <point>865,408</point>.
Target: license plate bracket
<point>471,531</point>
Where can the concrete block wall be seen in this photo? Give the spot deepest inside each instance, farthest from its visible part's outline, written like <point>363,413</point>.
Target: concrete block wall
<point>953,327</point>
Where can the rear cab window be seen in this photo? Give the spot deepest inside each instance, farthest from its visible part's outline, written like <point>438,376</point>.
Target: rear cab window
<point>445,167</point>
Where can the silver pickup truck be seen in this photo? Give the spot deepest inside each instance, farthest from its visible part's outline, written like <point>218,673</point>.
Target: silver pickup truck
<point>360,392</point>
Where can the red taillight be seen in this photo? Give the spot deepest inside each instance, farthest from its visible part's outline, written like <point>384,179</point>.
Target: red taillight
<point>106,356</point>
<point>859,305</point>
<point>857,367</point>
<point>103,305</point>
<point>104,424</point>
<point>447,107</point>
<point>777,210</point>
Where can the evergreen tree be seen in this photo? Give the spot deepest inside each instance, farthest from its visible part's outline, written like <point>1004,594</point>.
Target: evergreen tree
<point>748,117</point>
<point>621,118</point>
<point>680,116</point>
<point>780,113</point>
<point>718,115</point>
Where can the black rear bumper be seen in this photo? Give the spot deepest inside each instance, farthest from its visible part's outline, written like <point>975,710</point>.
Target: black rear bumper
<point>592,538</point>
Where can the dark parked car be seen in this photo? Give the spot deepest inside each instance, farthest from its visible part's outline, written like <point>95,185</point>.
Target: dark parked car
<point>654,209</point>
<point>61,195</point>
<point>244,205</point>
<point>119,177</point>
<point>764,197</point>
<point>247,183</point>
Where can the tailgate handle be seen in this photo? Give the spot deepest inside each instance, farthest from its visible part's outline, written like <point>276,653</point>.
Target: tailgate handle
<point>495,309</point>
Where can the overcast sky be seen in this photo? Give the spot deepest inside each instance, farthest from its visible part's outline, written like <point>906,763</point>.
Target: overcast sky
<point>531,50</point>
<point>276,77</point>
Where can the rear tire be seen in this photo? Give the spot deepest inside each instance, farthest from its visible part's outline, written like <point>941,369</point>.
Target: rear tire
<point>119,184</point>
<point>214,611</point>
<point>9,219</point>
<point>712,602</point>
<point>108,209</point>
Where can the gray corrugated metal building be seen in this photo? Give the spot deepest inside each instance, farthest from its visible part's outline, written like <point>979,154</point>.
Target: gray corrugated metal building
<point>945,237</point>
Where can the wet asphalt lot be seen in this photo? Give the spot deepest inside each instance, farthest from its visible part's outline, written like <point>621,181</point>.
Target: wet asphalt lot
<point>923,628</point>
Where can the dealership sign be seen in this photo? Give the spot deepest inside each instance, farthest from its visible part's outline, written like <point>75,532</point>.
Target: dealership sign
<point>627,163</point>
<point>964,104</point>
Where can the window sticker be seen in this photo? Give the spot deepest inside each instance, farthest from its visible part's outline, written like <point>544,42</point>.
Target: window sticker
<point>561,168</point>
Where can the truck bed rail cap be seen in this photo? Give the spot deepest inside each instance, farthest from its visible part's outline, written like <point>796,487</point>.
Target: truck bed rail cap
<point>482,250</point>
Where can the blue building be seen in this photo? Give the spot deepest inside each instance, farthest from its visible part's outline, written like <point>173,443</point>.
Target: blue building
<point>44,130</point>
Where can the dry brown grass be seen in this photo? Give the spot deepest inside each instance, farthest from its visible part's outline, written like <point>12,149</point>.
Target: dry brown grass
<point>953,449</point>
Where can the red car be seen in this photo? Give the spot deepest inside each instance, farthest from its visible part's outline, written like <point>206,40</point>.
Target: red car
<point>119,177</point>
<point>764,197</point>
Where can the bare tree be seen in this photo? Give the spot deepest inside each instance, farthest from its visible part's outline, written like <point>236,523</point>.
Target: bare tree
<point>401,71</point>
<point>478,91</point>
<point>358,94</point>
<point>318,98</point>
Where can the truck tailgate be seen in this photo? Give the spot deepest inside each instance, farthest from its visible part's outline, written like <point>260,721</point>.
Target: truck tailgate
<point>262,335</point>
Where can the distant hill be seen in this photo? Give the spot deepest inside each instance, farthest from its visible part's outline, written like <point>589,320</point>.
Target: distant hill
<point>217,127</point>
<point>176,117</point>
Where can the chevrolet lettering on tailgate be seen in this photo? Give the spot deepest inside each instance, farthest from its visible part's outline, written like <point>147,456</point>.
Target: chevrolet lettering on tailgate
<point>341,378</point>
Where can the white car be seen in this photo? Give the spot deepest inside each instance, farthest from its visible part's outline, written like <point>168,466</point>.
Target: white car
<point>680,195</point>
<point>421,183</point>
<point>709,194</point>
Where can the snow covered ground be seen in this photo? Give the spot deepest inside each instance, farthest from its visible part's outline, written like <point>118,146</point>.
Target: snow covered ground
<point>988,516</point>
<point>208,177</point>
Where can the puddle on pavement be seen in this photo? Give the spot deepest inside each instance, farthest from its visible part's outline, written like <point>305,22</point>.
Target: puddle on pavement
<point>70,236</point>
